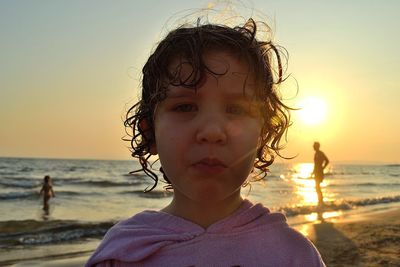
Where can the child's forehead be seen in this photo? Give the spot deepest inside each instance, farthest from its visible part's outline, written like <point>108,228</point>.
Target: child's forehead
<point>217,63</point>
<point>229,87</point>
<point>226,94</point>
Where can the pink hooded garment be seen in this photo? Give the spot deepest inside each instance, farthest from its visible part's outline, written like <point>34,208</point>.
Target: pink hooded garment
<point>251,236</point>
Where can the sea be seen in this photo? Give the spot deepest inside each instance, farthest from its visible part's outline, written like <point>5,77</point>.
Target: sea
<point>92,195</point>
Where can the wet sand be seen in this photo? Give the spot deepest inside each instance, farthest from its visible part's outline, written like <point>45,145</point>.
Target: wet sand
<point>63,262</point>
<point>368,239</point>
<point>60,255</point>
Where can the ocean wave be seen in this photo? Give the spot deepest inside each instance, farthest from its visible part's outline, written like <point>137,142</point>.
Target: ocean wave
<point>104,183</point>
<point>77,168</point>
<point>19,195</point>
<point>374,201</point>
<point>8,173</point>
<point>77,193</point>
<point>150,194</point>
<point>26,169</point>
<point>272,176</point>
<point>339,205</point>
<point>34,194</point>
<point>303,210</point>
<point>134,175</point>
<point>20,182</point>
<point>32,232</point>
<point>365,185</point>
<point>335,173</point>
<point>30,183</point>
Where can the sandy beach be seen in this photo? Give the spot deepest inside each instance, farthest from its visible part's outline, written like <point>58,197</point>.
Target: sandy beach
<point>368,240</point>
<point>371,238</point>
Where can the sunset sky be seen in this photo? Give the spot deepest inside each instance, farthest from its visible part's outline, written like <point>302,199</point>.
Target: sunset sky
<point>69,70</point>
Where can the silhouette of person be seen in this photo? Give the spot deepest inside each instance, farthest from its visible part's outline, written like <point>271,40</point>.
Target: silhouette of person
<point>320,163</point>
<point>47,191</point>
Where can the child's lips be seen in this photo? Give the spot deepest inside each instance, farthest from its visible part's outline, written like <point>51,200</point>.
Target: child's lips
<point>210,165</point>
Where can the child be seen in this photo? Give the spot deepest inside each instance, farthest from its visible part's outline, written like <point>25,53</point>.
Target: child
<point>47,191</point>
<point>211,112</point>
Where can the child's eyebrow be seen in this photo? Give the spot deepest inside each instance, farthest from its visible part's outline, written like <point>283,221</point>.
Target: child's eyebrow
<point>240,96</point>
<point>180,93</point>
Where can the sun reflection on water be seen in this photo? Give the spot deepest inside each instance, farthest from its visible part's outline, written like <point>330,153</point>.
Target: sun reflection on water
<point>305,184</point>
<point>303,170</point>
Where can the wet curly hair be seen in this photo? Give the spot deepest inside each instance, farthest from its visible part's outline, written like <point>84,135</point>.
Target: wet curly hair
<point>190,43</point>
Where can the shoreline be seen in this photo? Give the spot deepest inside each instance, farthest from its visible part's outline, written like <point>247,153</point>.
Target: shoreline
<point>349,238</point>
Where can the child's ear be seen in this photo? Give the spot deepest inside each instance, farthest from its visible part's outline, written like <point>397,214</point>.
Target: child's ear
<point>146,130</point>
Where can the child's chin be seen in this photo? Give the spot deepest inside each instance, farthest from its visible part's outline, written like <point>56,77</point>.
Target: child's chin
<point>210,193</point>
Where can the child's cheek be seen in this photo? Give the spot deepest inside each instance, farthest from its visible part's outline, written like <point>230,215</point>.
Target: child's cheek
<point>235,130</point>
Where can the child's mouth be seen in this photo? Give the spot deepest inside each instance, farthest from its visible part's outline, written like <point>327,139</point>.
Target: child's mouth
<point>210,165</point>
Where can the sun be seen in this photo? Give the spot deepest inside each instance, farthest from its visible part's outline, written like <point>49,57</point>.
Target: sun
<point>312,110</point>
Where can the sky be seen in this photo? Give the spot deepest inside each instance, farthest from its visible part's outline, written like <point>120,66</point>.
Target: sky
<point>70,69</point>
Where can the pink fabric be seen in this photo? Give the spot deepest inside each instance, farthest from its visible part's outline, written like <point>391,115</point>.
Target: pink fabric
<point>251,236</point>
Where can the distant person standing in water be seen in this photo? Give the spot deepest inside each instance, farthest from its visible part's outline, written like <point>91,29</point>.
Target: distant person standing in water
<point>47,191</point>
<point>320,163</point>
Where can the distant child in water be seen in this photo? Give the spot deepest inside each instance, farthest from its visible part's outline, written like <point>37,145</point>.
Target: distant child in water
<point>47,191</point>
<point>211,111</point>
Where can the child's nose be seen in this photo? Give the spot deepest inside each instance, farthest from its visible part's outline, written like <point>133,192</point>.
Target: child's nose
<point>212,130</point>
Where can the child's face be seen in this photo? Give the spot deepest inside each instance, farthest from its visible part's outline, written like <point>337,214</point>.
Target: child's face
<point>207,140</point>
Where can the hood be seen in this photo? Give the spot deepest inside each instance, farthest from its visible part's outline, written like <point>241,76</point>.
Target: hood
<point>142,235</point>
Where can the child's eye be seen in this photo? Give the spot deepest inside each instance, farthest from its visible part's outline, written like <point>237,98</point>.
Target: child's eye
<point>237,109</point>
<point>184,108</point>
